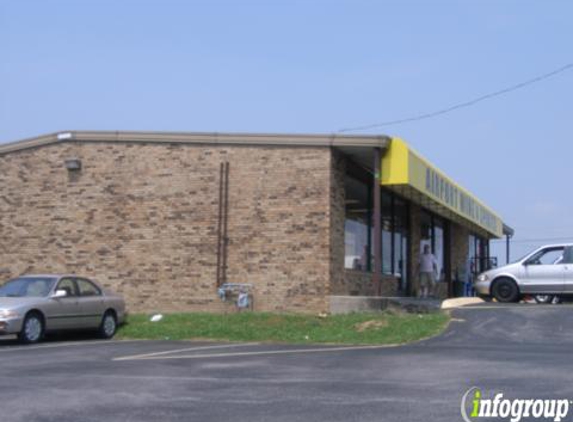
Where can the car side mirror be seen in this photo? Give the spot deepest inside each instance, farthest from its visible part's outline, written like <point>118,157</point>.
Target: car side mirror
<point>59,293</point>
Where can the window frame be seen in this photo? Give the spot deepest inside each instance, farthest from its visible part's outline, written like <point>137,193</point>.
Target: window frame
<point>535,258</point>
<point>75,292</point>
<point>97,289</point>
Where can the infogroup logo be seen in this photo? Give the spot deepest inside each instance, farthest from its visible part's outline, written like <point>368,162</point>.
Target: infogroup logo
<point>475,406</point>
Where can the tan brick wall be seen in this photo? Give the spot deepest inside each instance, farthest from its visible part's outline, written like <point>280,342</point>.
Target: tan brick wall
<point>338,216</point>
<point>359,283</point>
<point>142,219</point>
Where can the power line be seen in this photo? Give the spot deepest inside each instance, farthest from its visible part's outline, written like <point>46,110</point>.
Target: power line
<point>461,105</point>
<point>546,239</point>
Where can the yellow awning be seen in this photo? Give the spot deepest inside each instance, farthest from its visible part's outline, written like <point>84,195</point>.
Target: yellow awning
<point>408,173</point>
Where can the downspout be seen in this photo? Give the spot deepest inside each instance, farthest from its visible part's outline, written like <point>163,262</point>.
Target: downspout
<point>225,239</point>
<point>220,223</point>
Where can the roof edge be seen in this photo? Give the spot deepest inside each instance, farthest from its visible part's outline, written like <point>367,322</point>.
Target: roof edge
<point>262,139</point>
<point>508,231</point>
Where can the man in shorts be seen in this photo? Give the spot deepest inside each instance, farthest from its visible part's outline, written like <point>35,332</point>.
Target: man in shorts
<point>428,268</point>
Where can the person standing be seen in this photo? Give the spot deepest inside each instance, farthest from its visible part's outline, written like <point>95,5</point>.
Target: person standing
<point>428,268</point>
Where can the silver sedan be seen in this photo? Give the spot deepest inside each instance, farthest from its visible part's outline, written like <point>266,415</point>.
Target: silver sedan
<point>545,272</point>
<point>32,305</point>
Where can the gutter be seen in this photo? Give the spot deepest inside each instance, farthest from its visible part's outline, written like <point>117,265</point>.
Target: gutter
<point>211,138</point>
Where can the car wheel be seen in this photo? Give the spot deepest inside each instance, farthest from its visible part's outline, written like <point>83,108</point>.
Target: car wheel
<point>32,329</point>
<point>505,290</point>
<point>108,325</point>
<point>544,299</point>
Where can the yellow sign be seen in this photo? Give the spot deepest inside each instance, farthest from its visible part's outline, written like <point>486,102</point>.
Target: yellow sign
<point>403,167</point>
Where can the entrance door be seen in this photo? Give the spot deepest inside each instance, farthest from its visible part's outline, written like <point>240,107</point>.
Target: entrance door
<point>91,303</point>
<point>64,311</point>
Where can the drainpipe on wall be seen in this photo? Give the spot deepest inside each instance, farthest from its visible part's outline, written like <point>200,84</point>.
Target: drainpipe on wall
<point>222,224</point>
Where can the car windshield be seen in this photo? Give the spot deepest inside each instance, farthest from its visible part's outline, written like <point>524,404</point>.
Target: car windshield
<point>27,287</point>
<point>522,258</point>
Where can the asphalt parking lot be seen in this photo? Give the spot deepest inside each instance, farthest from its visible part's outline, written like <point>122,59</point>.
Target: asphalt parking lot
<point>521,350</point>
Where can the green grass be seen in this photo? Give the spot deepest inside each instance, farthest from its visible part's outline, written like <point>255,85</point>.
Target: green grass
<point>358,328</point>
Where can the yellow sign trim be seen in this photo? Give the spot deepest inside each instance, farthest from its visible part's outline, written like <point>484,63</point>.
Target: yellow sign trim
<point>403,166</point>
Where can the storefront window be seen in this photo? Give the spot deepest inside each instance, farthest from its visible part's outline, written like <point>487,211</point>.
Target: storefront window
<point>387,238</point>
<point>479,255</point>
<point>473,267</point>
<point>426,231</point>
<point>356,228</point>
<point>433,236</point>
<point>439,246</point>
<point>400,269</point>
<point>359,230</point>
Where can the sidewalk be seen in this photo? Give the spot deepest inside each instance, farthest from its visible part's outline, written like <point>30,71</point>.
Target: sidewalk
<point>348,304</point>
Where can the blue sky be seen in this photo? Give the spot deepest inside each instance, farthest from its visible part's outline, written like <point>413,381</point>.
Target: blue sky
<point>313,66</point>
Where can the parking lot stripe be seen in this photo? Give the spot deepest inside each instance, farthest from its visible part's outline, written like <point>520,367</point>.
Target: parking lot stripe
<point>258,353</point>
<point>188,349</point>
<point>5,349</point>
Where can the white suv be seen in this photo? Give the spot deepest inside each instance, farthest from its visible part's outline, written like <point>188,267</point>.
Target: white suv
<point>546,271</point>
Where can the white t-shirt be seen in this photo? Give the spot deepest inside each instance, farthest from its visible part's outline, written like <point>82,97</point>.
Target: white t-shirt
<point>427,262</point>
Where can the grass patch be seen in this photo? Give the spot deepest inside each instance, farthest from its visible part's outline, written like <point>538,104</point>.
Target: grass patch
<point>357,328</point>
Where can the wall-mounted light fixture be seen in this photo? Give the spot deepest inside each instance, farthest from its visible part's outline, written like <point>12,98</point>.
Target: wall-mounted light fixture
<point>73,164</point>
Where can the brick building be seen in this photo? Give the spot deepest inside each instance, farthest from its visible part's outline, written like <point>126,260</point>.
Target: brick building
<point>165,218</point>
